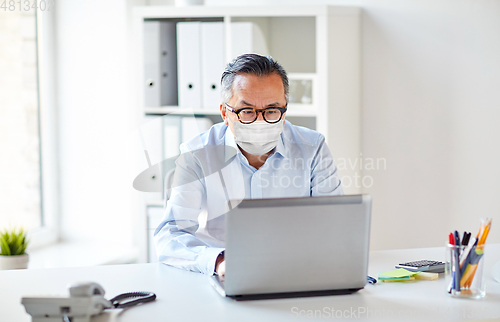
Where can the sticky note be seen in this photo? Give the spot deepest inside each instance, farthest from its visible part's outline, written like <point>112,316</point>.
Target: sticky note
<point>395,280</point>
<point>427,276</point>
<point>397,273</point>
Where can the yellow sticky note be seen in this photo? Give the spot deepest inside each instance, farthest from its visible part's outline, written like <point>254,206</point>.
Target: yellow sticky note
<point>397,273</point>
<point>427,276</point>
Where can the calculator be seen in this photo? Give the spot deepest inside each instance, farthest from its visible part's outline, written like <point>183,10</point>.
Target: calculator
<point>423,266</point>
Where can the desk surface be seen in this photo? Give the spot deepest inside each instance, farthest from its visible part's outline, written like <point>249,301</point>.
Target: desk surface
<point>186,296</point>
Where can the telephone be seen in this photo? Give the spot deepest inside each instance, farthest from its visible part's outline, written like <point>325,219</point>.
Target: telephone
<point>85,300</point>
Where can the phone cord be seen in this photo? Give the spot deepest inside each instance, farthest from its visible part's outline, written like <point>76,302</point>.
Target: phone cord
<point>133,298</point>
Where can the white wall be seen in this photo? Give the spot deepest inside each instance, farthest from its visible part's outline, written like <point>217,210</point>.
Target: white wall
<point>430,73</point>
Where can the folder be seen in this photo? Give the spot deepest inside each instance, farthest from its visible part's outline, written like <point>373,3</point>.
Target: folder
<point>189,64</point>
<point>212,63</point>
<point>160,64</point>
<point>247,38</point>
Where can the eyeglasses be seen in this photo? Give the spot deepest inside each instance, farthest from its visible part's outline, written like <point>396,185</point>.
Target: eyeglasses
<point>249,115</point>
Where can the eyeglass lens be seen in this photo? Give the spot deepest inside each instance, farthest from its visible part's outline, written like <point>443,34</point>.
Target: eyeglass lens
<point>270,115</point>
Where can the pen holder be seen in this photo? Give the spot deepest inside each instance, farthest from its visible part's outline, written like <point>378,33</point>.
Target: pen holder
<point>464,272</point>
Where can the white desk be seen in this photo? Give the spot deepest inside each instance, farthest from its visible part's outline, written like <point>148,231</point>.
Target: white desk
<point>186,296</point>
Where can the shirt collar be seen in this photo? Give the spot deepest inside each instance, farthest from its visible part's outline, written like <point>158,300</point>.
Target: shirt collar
<point>280,148</point>
<point>229,141</point>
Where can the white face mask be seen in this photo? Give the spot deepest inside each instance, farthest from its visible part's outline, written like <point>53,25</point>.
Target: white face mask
<point>258,137</point>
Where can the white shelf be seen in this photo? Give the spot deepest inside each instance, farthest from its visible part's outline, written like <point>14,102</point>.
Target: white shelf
<point>293,110</point>
<point>175,110</point>
<point>162,12</point>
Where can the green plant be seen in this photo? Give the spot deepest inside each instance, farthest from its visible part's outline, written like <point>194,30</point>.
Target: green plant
<point>13,243</point>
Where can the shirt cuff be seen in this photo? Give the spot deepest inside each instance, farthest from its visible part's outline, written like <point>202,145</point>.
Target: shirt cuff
<point>206,261</point>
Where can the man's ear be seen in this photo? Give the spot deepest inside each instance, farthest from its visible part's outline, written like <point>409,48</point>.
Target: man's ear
<point>223,114</point>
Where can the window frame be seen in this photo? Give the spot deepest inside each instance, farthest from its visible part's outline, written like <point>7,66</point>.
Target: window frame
<point>49,232</point>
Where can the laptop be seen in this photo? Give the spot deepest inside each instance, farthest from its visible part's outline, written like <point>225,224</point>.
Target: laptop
<point>296,247</point>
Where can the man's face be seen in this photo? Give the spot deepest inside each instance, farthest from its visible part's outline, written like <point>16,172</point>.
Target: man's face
<point>254,91</point>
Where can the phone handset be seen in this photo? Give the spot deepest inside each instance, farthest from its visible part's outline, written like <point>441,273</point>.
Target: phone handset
<point>93,291</point>
<point>85,300</point>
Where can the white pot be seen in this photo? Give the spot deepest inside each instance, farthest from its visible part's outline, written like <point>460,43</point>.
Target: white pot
<point>14,262</point>
<point>185,3</point>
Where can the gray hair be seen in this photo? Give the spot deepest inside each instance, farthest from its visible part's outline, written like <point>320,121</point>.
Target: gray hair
<point>250,64</point>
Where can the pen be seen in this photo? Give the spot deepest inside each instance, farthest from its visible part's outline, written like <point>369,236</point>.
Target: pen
<point>465,238</point>
<point>451,239</point>
<point>481,229</point>
<point>484,231</point>
<point>457,241</point>
<point>469,272</point>
<point>465,258</point>
<point>451,242</point>
<point>466,268</point>
<point>457,266</point>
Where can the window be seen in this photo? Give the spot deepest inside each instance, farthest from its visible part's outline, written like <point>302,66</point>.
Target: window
<point>28,131</point>
<point>20,179</point>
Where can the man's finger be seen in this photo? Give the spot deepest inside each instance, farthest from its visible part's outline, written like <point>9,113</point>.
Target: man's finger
<point>222,269</point>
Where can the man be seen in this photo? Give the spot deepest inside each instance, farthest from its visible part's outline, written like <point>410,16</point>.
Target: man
<point>262,156</point>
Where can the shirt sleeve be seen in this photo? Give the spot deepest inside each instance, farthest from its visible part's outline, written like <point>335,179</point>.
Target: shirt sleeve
<point>176,243</point>
<point>324,176</point>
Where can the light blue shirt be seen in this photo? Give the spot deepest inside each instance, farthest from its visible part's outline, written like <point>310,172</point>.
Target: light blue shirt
<point>191,234</point>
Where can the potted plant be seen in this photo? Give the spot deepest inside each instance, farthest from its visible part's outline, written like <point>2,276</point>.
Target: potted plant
<point>13,249</point>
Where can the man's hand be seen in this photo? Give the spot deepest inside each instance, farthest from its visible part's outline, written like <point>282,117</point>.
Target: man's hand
<point>220,265</point>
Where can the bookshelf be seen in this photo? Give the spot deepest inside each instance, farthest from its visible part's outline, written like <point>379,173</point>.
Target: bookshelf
<point>320,41</point>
